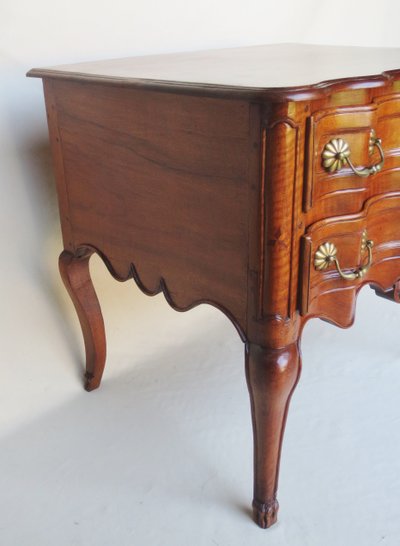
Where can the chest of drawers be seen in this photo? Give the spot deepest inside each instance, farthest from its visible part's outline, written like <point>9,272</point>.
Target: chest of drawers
<point>264,181</point>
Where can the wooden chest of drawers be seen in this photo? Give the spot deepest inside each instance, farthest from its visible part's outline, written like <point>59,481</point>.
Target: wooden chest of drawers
<point>264,181</point>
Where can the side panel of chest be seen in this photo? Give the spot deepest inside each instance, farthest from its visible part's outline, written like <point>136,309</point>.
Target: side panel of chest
<point>158,184</point>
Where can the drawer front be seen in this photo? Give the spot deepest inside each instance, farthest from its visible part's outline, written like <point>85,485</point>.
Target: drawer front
<point>342,191</point>
<point>339,258</point>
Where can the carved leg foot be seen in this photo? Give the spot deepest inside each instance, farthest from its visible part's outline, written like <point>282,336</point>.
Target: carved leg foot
<point>76,277</point>
<point>265,514</point>
<point>272,375</point>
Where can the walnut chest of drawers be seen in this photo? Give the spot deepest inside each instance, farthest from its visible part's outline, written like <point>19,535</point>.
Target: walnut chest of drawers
<point>264,181</point>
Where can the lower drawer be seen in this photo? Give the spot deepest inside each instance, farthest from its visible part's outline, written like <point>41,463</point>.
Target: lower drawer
<point>342,253</point>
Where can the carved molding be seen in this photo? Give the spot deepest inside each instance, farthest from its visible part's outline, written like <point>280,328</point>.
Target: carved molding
<point>277,192</point>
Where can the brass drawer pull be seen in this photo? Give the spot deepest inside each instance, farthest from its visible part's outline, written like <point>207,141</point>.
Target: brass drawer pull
<point>337,152</point>
<point>326,254</point>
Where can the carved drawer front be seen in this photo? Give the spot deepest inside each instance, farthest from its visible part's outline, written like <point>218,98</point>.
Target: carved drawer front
<point>341,254</point>
<point>353,153</point>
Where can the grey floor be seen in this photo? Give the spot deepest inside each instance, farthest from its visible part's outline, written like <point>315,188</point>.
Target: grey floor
<point>161,455</point>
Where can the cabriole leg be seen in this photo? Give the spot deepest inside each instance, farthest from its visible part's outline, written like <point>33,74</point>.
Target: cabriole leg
<point>272,375</point>
<point>76,277</point>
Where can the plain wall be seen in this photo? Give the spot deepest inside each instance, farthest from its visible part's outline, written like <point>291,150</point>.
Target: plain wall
<point>41,349</point>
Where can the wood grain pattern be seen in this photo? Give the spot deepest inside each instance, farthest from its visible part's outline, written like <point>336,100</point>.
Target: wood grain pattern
<point>174,162</point>
<point>277,219</point>
<point>212,190</point>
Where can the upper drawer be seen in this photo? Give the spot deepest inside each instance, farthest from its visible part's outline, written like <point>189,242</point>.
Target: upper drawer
<point>342,190</point>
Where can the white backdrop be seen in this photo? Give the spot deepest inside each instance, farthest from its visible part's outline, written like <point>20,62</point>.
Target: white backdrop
<point>162,453</point>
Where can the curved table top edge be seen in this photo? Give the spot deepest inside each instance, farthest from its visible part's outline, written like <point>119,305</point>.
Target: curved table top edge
<point>310,92</point>
<point>279,72</point>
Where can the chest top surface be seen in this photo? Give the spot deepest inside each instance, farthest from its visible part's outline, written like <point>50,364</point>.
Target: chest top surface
<point>266,68</point>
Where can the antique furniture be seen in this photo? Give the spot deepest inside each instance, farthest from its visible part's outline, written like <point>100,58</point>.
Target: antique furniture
<point>263,180</point>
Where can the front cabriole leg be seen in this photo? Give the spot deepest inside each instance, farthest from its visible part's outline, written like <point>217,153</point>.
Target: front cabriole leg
<point>75,274</point>
<point>272,375</point>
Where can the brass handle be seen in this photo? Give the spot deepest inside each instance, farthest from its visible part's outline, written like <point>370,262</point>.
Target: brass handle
<point>326,255</point>
<point>337,152</point>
